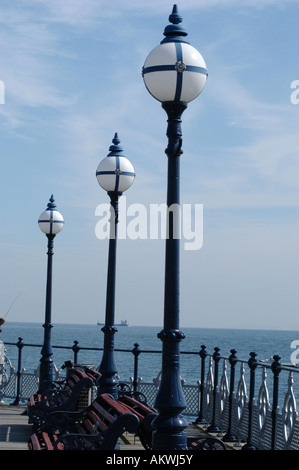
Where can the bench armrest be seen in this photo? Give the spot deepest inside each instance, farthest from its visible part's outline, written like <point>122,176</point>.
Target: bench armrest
<point>62,421</point>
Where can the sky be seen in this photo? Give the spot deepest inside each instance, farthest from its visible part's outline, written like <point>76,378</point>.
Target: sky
<point>71,77</point>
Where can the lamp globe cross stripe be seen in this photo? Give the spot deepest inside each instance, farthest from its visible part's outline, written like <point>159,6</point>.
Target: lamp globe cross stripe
<point>115,173</point>
<point>51,221</point>
<point>175,70</point>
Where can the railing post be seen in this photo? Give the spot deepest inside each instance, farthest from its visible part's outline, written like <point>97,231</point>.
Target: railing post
<point>229,437</point>
<point>252,363</point>
<point>203,354</point>
<point>213,427</point>
<point>76,350</point>
<point>20,346</point>
<point>276,369</point>
<point>136,351</point>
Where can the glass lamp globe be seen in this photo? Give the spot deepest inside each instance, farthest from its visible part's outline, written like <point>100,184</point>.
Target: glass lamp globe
<point>174,70</point>
<point>115,173</point>
<point>51,221</point>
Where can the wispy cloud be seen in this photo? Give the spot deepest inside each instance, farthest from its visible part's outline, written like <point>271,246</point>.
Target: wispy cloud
<point>30,49</point>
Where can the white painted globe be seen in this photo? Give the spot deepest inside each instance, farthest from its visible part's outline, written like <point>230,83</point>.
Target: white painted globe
<point>51,222</point>
<point>115,174</point>
<point>175,71</point>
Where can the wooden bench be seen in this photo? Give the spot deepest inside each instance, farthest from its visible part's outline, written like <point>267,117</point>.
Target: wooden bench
<point>100,427</point>
<point>145,414</point>
<point>63,396</point>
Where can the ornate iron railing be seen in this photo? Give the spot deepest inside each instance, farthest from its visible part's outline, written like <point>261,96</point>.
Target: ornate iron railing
<point>250,403</point>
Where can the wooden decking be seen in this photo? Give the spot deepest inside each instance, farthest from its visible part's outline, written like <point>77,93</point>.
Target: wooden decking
<point>14,428</point>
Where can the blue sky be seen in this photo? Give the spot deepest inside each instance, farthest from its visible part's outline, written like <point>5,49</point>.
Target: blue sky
<point>72,76</point>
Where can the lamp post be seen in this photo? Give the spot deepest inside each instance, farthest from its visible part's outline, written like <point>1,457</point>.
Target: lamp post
<point>115,174</point>
<point>50,222</point>
<point>174,73</point>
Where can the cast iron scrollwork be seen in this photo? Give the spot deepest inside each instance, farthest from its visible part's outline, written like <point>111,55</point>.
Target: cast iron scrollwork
<point>289,412</point>
<point>210,382</point>
<point>224,388</point>
<point>241,395</point>
<point>263,403</point>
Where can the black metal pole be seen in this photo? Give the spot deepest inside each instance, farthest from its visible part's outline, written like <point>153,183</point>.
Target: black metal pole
<point>276,369</point>
<point>76,348</point>
<point>169,426</point>
<point>136,351</point>
<point>216,356</point>
<point>252,363</point>
<point>108,381</point>
<point>229,437</point>
<point>203,354</point>
<point>46,373</point>
<point>20,346</point>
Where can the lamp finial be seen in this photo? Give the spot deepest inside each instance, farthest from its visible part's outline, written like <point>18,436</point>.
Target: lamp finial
<point>174,32</point>
<point>51,204</point>
<point>115,149</point>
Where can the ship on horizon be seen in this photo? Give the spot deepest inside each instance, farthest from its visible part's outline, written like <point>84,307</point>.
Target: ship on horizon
<point>122,323</point>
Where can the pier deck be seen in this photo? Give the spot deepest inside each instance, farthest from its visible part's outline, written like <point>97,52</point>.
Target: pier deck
<point>14,428</point>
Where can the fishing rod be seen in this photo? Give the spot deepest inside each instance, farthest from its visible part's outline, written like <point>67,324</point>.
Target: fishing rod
<point>11,306</point>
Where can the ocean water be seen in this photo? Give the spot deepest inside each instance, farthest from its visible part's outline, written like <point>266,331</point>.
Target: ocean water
<point>263,342</point>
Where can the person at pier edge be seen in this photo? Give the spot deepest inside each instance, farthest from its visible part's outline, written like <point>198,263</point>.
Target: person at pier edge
<point>2,320</point>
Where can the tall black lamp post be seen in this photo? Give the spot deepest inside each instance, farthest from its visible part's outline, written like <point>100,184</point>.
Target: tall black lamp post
<point>115,174</point>
<point>174,73</point>
<point>50,222</point>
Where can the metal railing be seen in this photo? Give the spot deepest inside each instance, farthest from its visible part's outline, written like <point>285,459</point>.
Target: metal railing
<point>232,397</point>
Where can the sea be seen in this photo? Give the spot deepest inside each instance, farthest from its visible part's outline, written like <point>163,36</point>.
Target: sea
<point>265,343</point>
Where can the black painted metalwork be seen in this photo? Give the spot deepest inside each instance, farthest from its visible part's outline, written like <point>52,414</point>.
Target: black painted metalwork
<point>46,362</point>
<point>229,437</point>
<point>252,363</point>
<point>136,351</point>
<point>20,346</point>
<point>254,436</point>
<point>276,369</point>
<point>76,348</point>
<point>216,357</point>
<point>52,222</point>
<point>108,381</point>
<point>203,355</point>
<point>169,424</point>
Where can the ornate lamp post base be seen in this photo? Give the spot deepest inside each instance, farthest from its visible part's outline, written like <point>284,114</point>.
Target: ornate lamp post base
<point>170,425</point>
<point>108,381</point>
